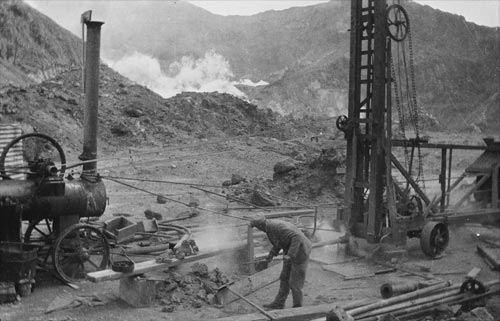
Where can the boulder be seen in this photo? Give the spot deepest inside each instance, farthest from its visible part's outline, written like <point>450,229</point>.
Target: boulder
<point>284,167</point>
<point>236,179</point>
<point>133,112</point>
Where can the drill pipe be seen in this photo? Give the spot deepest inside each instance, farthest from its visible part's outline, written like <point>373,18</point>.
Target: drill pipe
<point>414,312</point>
<point>400,298</point>
<point>422,303</point>
<point>388,290</point>
<point>416,303</point>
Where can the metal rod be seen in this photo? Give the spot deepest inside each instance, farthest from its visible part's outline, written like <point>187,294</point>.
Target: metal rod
<point>471,191</point>
<point>442,179</point>
<point>251,303</point>
<point>230,198</point>
<point>449,177</point>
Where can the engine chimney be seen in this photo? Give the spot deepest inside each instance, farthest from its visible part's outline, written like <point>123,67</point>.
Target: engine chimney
<point>91,95</point>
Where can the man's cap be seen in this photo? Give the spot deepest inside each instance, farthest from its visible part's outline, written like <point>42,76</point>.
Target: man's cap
<point>258,220</point>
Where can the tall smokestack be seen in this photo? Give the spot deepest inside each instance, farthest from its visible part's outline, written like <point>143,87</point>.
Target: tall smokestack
<point>91,95</point>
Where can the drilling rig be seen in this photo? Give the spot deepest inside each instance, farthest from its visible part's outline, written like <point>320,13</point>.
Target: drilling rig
<point>377,207</point>
<point>41,193</point>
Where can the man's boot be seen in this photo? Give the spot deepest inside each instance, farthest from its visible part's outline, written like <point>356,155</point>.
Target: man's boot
<point>279,301</point>
<point>297,298</point>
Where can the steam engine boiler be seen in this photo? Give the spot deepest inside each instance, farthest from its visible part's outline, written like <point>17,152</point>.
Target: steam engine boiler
<point>51,201</point>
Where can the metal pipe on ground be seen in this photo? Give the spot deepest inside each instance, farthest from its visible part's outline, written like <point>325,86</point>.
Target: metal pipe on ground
<point>262,311</point>
<point>420,311</point>
<point>147,249</point>
<point>390,289</point>
<point>400,298</point>
<point>422,303</point>
<point>407,304</point>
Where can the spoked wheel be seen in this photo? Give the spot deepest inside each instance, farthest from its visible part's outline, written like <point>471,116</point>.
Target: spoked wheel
<point>79,250</point>
<point>23,153</point>
<point>41,234</point>
<point>397,22</point>
<point>434,238</point>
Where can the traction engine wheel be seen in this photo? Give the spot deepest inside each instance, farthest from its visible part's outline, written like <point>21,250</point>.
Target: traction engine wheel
<point>41,233</point>
<point>80,249</point>
<point>434,238</point>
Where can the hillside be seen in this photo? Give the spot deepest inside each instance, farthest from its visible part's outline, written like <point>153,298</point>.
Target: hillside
<point>32,46</point>
<point>129,115</point>
<point>303,53</point>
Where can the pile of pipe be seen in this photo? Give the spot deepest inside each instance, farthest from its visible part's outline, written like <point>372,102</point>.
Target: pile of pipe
<point>410,305</point>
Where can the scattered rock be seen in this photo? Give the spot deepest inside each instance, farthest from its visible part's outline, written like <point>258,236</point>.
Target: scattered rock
<point>210,298</point>
<point>152,215</point>
<point>196,304</point>
<point>200,269</point>
<point>477,314</point>
<point>168,308</point>
<point>133,112</point>
<point>261,196</point>
<point>236,179</point>
<point>284,167</point>
<point>122,91</point>
<point>161,199</point>
<point>120,129</point>
<point>201,294</point>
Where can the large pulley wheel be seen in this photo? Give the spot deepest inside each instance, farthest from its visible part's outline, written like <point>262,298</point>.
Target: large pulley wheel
<point>398,23</point>
<point>30,149</point>
<point>434,238</point>
<point>80,249</point>
<point>41,234</point>
<point>342,123</point>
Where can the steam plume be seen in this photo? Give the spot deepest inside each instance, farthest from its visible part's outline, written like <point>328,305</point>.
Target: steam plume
<point>207,74</point>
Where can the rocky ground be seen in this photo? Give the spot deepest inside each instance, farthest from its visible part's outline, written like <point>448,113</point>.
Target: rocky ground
<point>297,171</point>
<point>223,145</point>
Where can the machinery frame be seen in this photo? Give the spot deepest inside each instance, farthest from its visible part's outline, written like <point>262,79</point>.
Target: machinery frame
<point>376,207</point>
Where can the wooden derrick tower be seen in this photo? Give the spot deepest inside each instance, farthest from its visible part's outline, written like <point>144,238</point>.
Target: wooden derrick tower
<point>366,125</point>
<point>376,207</point>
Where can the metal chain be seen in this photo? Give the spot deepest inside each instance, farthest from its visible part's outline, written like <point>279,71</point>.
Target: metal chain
<point>420,174</point>
<point>399,106</point>
<point>398,99</point>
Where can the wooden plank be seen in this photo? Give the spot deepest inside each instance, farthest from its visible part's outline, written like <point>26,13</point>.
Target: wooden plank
<point>492,256</point>
<point>151,265</point>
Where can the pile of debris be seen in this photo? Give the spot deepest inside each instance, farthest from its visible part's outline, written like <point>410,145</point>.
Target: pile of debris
<point>195,289</point>
<point>313,179</point>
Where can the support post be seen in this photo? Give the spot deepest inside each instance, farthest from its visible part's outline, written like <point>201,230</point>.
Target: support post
<point>377,164</point>
<point>250,248</point>
<point>494,186</point>
<point>442,179</point>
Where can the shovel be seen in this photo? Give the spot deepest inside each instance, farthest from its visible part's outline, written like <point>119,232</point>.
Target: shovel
<point>226,287</point>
